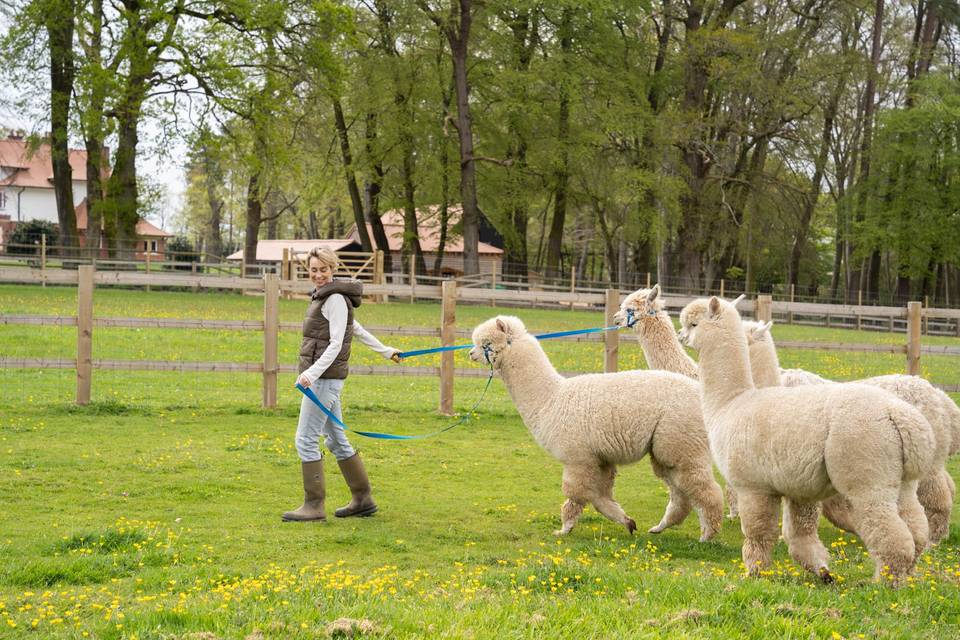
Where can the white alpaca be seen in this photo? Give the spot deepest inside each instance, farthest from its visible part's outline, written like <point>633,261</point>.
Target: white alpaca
<point>592,423</point>
<point>658,338</point>
<point>644,311</point>
<point>935,491</point>
<point>806,444</point>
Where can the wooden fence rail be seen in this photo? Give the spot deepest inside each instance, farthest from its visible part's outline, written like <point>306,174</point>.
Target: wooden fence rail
<point>270,367</point>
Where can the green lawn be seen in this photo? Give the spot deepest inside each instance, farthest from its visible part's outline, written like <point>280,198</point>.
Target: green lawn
<point>154,511</point>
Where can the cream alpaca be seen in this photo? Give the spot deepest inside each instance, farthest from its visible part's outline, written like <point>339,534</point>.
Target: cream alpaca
<point>661,348</point>
<point>658,338</point>
<point>806,444</point>
<point>587,425</point>
<point>936,490</point>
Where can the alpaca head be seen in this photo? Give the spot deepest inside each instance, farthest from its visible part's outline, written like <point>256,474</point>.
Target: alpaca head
<point>702,319</point>
<point>639,305</point>
<point>757,332</point>
<point>492,339</point>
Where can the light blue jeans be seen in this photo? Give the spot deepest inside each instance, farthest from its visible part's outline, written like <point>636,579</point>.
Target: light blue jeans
<point>314,423</point>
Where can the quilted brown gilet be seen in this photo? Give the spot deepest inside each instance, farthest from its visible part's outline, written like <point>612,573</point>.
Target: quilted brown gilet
<point>316,328</point>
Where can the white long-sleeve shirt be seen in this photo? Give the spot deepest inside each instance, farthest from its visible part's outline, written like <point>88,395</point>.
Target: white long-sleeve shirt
<point>334,309</point>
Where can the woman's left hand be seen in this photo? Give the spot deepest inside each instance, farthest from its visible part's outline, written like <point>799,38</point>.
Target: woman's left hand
<point>303,381</point>
<point>396,356</point>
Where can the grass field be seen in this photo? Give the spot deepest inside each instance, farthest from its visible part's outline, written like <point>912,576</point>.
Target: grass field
<point>154,511</point>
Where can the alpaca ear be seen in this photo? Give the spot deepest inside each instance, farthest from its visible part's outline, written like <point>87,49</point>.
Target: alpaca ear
<point>501,325</point>
<point>653,293</point>
<point>765,327</point>
<point>714,307</point>
<point>739,299</point>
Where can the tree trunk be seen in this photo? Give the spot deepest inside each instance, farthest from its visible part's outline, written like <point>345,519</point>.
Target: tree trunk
<point>868,110</point>
<point>371,189</point>
<point>813,196</point>
<point>59,25</point>
<point>456,28</point>
<point>555,241</point>
<point>254,217</point>
<point>470,219</point>
<point>351,178</point>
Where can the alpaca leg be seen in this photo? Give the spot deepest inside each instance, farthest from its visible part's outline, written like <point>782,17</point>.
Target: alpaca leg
<point>936,495</point>
<point>884,533</point>
<point>758,521</point>
<point>702,490</point>
<point>602,498</point>
<point>679,506</point>
<point>569,514</point>
<point>911,511</point>
<point>838,511</point>
<point>576,486</point>
<point>731,495</point>
<point>800,522</point>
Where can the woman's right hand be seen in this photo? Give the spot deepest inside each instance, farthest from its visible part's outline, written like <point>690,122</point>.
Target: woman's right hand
<point>303,381</point>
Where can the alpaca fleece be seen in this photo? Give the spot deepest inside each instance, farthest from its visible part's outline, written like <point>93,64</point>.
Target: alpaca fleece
<point>588,424</point>
<point>806,444</point>
<point>936,490</point>
<point>661,348</point>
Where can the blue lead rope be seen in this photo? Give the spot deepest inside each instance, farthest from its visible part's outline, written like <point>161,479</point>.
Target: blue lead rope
<point>543,336</point>
<point>419,352</point>
<point>392,436</point>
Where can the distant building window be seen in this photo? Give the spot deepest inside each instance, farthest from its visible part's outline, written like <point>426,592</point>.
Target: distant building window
<point>3,200</point>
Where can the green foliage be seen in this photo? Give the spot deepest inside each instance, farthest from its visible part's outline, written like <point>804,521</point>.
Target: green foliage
<point>914,188</point>
<point>30,233</point>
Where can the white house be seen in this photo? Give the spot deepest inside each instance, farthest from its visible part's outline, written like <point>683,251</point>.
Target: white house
<point>26,193</point>
<point>26,180</point>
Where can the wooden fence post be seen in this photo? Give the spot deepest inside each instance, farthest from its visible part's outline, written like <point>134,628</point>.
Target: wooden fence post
<point>611,339</point>
<point>413,277</point>
<point>43,259</point>
<point>722,287</point>
<point>84,332</point>
<point>271,330</point>
<point>793,292</point>
<point>285,272</point>
<point>859,310</point>
<point>147,252</point>
<point>378,276</point>
<point>763,308</point>
<point>926,318</point>
<point>573,283</point>
<point>448,334</point>
<point>648,279</point>
<point>914,325</point>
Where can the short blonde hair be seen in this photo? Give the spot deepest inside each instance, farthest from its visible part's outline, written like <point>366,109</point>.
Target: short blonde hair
<point>325,256</point>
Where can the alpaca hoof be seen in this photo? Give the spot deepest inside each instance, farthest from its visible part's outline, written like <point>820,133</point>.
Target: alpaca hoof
<point>657,529</point>
<point>707,536</point>
<point>560,532</point>
<point>630,525</point>
<point>825,576</point>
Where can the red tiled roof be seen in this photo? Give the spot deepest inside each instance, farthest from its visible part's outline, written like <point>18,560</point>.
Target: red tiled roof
<point>428,226</point>
<point>144,229</point>
<point>36,169</point>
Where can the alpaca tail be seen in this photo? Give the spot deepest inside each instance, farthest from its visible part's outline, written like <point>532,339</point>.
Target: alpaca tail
<point>917,437</point>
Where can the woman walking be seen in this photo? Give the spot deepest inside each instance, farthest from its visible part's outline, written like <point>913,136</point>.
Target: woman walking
<point>328,330</point>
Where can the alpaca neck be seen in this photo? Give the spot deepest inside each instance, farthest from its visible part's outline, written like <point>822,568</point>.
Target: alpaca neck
<point>724,369</point>
<point>764,364</point>
<point>662,349</point>
<point>530,378</point>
